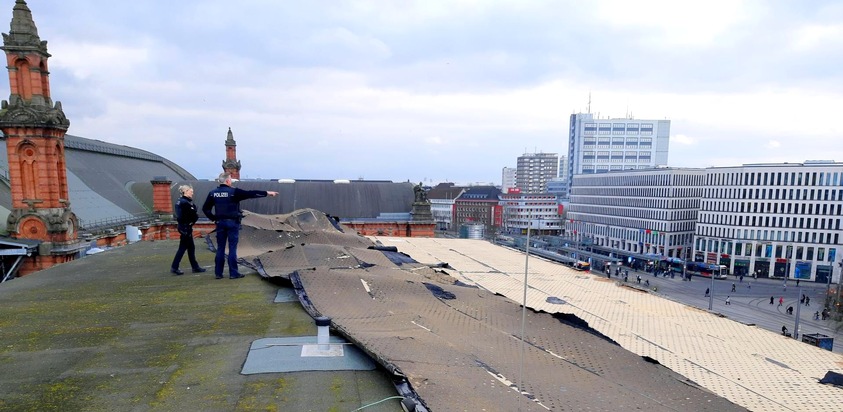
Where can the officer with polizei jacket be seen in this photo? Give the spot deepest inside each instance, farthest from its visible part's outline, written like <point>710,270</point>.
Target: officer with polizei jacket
<point>186,216</point>
<point>222,206</point>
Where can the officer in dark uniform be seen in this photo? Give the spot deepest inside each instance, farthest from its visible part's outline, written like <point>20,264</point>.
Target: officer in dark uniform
<point>186,216</point>
<point>222,206</point>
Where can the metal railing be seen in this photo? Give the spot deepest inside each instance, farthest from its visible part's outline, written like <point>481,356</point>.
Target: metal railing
<point>113,222</point>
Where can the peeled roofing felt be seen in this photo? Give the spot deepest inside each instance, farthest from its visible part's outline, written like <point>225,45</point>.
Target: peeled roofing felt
<point>453,345</point>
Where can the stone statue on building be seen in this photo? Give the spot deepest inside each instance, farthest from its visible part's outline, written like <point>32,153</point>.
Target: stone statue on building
<point>421,195</point>
<point>421,207</point>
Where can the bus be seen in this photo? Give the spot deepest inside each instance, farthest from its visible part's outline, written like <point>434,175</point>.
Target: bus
<point>707,270</point>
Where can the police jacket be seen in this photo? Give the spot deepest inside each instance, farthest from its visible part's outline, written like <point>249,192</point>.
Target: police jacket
<point>186,214</point>
<point>224,202</point>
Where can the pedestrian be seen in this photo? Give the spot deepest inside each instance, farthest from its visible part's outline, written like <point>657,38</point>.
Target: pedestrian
<point>733,287</point>
<point>706,292</point>
<point>728,300</point>
<point>807,301</point>
<point>222,206</point>
<point>784,331</point>
<point>789,310</point>
<point>741,281</point>
<point>186,216</point>
<point>797,282</point>
<point>781,300</point>
<point>638,279</point>
<point>771,300</point>
<point>817,315</point>
<point>802,299</point>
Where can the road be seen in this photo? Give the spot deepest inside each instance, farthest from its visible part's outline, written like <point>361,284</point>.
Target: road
<point>750,302</point>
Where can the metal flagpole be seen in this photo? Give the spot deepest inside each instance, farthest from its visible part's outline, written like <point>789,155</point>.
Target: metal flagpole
<point>798,310</point>
<point>524,312</point>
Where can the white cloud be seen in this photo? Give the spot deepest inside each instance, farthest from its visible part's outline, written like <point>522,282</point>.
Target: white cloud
<point>683,139</point>
<point>474,84</point>
<point>434,140</point>
<point>816,37</point>
<point>669,23</point>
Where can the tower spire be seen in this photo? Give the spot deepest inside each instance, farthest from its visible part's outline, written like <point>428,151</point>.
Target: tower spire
<point>34,128</point>
<point>231,165</point>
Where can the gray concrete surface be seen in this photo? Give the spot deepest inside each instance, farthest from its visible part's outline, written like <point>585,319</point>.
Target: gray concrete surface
<point>117,332</point>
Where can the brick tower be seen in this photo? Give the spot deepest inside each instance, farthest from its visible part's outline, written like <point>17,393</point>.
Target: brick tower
<point>231,165</point>
<point>34,131</point>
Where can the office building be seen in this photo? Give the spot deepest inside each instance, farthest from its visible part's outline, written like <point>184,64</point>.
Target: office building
<point>604,145</point>
<point>636,213</point>
<point>773,220</point>
<point>442,198</point>
<point>508,176</point>
<point>534,170</point>
<point>538,211</point>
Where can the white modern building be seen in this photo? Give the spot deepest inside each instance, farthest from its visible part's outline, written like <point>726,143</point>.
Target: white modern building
<point>604,145</point>
<point>442,198</point>
<point>534,170</point>
<point>508,176</point>
<point>636,213</point>
<point>538,211</point>
<point>773,220</point>
<point>563,167</point>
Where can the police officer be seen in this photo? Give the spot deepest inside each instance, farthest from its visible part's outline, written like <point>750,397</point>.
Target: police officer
<point>222,206</point>
<point>186,216</point>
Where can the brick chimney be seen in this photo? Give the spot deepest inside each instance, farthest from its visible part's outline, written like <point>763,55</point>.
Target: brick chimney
<point>162,201</point>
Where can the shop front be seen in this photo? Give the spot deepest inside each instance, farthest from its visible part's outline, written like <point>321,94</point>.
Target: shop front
<point>823,273</point>
<point>781,268</point>
<point>803,270</point>
<point>762,268</point>
<point>741,267</point>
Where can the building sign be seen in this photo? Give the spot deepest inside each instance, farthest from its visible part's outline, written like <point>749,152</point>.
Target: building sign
<point>498,215</point>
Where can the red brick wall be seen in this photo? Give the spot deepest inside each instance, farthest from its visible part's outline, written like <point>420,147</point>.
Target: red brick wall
<point>162,202</point>
<point>395,229</point>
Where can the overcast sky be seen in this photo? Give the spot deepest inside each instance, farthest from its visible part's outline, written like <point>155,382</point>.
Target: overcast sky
<point>439,91</point>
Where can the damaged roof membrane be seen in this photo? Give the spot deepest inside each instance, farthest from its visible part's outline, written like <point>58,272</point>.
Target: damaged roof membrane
<point>450,344</point>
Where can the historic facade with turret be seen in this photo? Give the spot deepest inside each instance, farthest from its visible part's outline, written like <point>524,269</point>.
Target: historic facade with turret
<point>34,129</point>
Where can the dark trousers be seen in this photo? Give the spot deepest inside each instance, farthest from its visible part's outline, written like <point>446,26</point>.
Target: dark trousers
<point>186,245</point>
<point>228,231</point>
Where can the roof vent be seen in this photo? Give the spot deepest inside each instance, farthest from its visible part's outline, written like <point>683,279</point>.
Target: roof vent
<point>342,181</point>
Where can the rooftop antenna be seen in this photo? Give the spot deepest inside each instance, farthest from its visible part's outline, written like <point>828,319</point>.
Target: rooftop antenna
<point>589,102</point>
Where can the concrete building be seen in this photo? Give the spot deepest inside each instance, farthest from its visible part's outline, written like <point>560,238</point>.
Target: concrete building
<point>637,213</point>
<point>479,205</point>
<point>538,211</point>
<point>534,170</point>
<point>508,179</point>
<point>563,167</point>
<point>604,145</point>
<point>773,220</point>
<point>442,198</point>
<point>558,186</point>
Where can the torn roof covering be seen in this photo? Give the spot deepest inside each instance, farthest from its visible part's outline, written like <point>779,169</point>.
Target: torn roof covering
<point>453,344</point>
